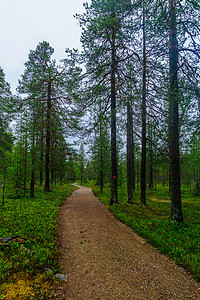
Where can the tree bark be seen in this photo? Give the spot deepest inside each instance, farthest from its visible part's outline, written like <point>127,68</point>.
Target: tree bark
<point>114,194</point>
<point>25,160</point>
<point>41,158</point>
<point>101,158</point>
<point>48,140</point>
<point>133,160</point>
<point>150,160</point>
<point>4,182</point>
<point>143,157</point>
<point>129,168</point>
<point>137,171</point>
<point>101,152</point>
<point>32,184</point>
<point>174,156</point>
<point>52,177</point>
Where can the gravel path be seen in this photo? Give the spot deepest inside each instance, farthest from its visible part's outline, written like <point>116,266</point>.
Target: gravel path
<point>104,259</point>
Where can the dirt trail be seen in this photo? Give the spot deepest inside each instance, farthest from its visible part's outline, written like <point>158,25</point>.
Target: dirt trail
<point>104,259</point>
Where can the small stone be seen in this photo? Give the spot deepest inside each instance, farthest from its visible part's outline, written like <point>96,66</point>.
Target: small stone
<point>61,277</point>
<point>48,270</point>
<point>6,239</point>
<point>5,244</point>
<point>28,250</point>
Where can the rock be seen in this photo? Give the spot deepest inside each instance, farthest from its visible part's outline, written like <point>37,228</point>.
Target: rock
<point>28,250</point>
<point>48,270</point>
<point>5,240</point>
<point>4,244</point>
<point>61,277</point>
<point>19,240</point>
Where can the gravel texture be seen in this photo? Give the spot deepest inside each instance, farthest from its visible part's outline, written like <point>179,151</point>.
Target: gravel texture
<point>104,259</point>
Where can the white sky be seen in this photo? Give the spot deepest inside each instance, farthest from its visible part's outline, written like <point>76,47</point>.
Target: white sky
<point>25,23</point>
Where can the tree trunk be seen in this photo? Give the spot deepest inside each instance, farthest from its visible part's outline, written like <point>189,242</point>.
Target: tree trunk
<point>114,195</point>
<point>4,182</point>
<point>151,172</point>
<point>101,152</point>
<point>52,177</point>
<point>41,158</point>
<point>143,158</point>
<point>129,168</point>
<point>25,161</point>
<point>174,157</point>
<point>101,163</point>
<point>138,172</point>
<point>48,140</point>
<point>20,152</point>
<point>150,161</point>
<point>155,177</point>
<point>32,185</point>
<point>133,161</point>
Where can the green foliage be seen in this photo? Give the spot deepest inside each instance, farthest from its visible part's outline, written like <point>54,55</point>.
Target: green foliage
<point>100,157</point>
<point>36,220</point>
<point>181,242</point>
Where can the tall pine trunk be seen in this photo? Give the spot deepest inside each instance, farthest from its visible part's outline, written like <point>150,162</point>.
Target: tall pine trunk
<point>101,154</point>
<point>25,160</point>
<point>133,161</point>
<point>20,154</point>
<point>52,177</point>
<point>41,157</point>
<point>32,184</point>
<point>143,158</point>
<point>150,159</point>
<point>130,171</point>
<point>114,195</point>
<point>174,156</point>
<point>4,182</point>
<point>48,140</point>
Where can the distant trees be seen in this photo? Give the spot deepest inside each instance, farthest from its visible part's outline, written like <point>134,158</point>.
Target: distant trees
<point>48,92</point>
<point>104,38</point>
<point>6,140</point>
<point>107,27</point>
<point>141,78</point>
<point>82,162</point>
<point>130,154</point>
<point>174,161</point>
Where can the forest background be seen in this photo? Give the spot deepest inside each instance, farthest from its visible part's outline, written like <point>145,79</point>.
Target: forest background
<point>130,102</point>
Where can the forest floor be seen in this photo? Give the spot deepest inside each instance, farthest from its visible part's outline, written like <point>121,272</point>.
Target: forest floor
<point>104,259</point>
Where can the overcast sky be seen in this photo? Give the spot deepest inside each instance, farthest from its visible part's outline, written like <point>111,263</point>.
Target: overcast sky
<point>25,23</point>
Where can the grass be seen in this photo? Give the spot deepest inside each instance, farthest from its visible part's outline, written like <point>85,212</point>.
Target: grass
<point>22,268</point>
<point>181,242</point>
<point>23,273</point>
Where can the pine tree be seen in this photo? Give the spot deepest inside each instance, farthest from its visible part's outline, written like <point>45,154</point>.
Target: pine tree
<point>49,91</point>
<point>104,36</point>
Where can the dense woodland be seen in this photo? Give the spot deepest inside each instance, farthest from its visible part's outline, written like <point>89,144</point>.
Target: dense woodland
<point>126,109</point>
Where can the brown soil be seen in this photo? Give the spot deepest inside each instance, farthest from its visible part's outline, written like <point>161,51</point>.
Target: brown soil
<point>104,259</point>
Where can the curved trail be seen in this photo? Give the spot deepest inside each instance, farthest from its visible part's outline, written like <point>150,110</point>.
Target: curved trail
<point>104,259</point>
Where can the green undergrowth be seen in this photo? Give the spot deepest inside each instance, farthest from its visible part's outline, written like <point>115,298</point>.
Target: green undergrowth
<point>35,220</point>
<point>181,242</point>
